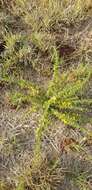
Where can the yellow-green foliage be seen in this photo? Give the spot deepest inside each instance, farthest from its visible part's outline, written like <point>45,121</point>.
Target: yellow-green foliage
<point>66,99</point>
<point>18,99</point>
<point>21,186</point>
<point>26,93</point>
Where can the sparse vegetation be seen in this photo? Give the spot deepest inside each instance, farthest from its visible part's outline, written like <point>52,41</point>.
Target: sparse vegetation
<point>46,95</point>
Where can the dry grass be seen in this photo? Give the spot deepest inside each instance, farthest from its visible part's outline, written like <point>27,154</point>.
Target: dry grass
<point>30,30</point>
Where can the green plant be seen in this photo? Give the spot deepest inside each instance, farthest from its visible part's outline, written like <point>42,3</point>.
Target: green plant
<point>66,99</point>
<point>21,186</point>
<point>18,99</point>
